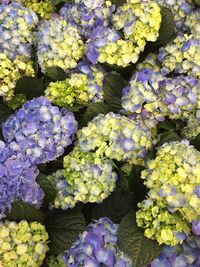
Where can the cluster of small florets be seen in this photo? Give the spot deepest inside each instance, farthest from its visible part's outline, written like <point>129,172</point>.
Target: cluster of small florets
<point>39,130</point>
<point>44,9</point>
<point>106,46</point>
<point>193,23</point>
<point>182,55</point>
<point>59,44</point>
<point>22,244</point>
<point>86,178</point>
<point>10,72</point>
<point>17,25</point>
<point>186,254</point>
<point>17,180</point>
<point>116,137</point>
<point>88,15</point>
<point>150,62</point>
<point>173,201</point>
<point>181,9</point>
<point>142,97</point>
<point>151,97</point>
<point>81,87</point>
<point>192,128</point>
<point>97,247</point>
<point>139,20</point>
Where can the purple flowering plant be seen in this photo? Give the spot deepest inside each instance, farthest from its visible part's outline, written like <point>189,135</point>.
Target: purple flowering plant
<point>99,133</point>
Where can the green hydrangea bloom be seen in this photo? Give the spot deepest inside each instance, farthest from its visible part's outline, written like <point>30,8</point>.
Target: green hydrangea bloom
<point>173,178</point>
<point>140,21</point>
<point>192,128</point>
<point>77,88</point>
<point>22,244</point>
<point>10,72</point>
<point>117,137</point>
<point>56,261</point>
<point>86,178</point>
<point>43,8</point>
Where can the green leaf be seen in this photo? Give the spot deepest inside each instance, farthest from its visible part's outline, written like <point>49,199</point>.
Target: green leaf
<point>116,205</point>
<point>167,124</point>
<point>56,74</point>
<point>136,184</point>
<point>168,136</point>
<point>196,142</point>
<point>30,87</point>
<point>64,228</point>
<point>134,244</point>
<point>5,112</point>
<point>197,2</point>
<point>166,31</point>
<point>24,211</point>
<point>93,110</point>
<point>48,187</point>
<point>118,2</point>
<point>113,85</point>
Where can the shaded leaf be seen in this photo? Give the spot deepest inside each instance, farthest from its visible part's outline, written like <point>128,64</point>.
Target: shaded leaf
<point>5,112</point>
<point>64,228</point>
<point>167,124</point>
<point>166,31</point>
<point>24,211</point>
<point>113,85</point>
<point>48,187</point>
<point>30,87</point>
<point>56,74</point>
<point>134,244</point>
<point>169,136</point>
<point>196,142</point>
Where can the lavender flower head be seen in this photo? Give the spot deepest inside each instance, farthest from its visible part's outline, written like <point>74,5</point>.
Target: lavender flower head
<point>88,15</point>
<point>39,130</point>
<point>97,246</point>
<point>59,44</point>
<point>185,255</point>
<point>16,30</point>
<point>17,180</point>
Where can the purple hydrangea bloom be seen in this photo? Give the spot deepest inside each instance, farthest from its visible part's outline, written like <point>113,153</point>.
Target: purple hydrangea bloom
<point>17,180</point>
<point>97,247</point>
<point>39,130</point>
<point>185,255</point>
<point>196,227</point>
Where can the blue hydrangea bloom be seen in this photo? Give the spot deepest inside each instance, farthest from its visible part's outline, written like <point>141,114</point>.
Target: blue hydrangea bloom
<point>16,30</point>
<point>17,180</point>
<point>97,247</point>
<point>39,130</point>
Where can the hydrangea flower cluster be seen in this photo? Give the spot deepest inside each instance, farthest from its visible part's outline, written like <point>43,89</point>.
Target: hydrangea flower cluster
<point>150,96</point>
<point>16,30</point>
<point>39,130</point>
<point>88,15</point>
<point>96,247</point>
<point>22,244</point>
<point>82,86</point>
<point>181,9</point>
<point>17,180</point>
<point>139,20</point>
<point>10,72</point>
<point>182,55</point>
<point>43,8</point>
<point>85,178</point>
<point>187,254</point>
<point>59,44</point>
<point>150,62</point>
<point>173,201</point>
<point>117,137</point>
<point>192,128</point>
<point>105,45</point>
<point>193,23</point>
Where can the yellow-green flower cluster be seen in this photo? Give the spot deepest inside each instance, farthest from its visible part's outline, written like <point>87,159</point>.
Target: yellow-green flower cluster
<point>117,137</point>
<point>150,62</point>
<point>139,20</point>
<point>22,244</point>
<point>86,177</point>
<point>192,128</point>
<point>79,88</point>
<point>56,261</point>
<point>193,23</point>
<point>173,201</point>
<point>10,72</point>
<point>43,8</point>
<point>59,44</point>
<point>182,55</point>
